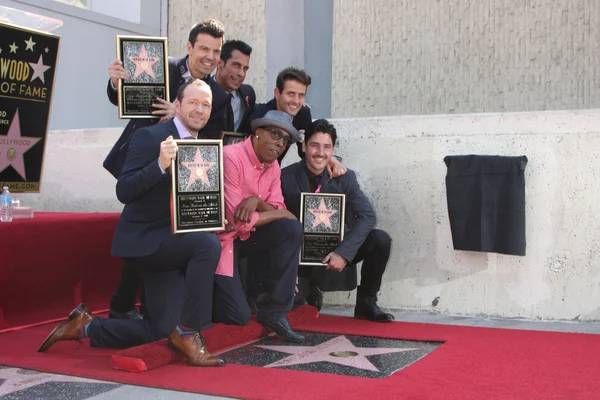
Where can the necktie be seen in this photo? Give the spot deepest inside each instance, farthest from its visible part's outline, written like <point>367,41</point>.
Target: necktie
<point>230,118</point>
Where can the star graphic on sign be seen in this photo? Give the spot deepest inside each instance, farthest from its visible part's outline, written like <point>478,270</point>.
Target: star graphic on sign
<point>348,354</point>
<point>46,50</point>
<point>322,215</point>
<point>0,50</point>
<point>13,47</point>
<point>143,63</point>
<point>14,379</point>
<point>13,146</point>
<point>38,70</point>
<point>198,168</point>
<point>29,43</point>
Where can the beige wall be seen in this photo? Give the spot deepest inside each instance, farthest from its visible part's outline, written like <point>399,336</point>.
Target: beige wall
<point>244,20</point>
<point>397,57</point>
<point>399,165</point>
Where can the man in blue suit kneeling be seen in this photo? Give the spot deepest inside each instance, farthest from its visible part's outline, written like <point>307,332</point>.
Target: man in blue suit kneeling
<point>177,270</point>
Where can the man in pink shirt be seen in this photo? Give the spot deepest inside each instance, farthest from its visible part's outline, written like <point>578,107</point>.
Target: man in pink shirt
<point>259,226</point>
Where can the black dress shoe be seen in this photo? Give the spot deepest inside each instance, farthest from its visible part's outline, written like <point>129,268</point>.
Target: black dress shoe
<point>131,314</point>
<point>281,327</point>
<point>367,308</point>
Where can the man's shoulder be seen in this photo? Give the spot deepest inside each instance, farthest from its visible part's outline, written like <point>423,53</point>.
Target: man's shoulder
<point>305,112</point>
<point>219,94</point>
<point>247,90</point>
<point>233,150</point>
<point>157,130</point>
<point>291,169</point>
<point>303,119</point>
<point>260,109</point>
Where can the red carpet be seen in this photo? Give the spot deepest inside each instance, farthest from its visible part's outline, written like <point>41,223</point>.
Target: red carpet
<point>474,363</point>
<point>53,262</point>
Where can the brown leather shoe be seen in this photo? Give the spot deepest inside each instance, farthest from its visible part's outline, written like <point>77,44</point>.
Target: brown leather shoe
<point>194,349</point>
<point>69,329</point>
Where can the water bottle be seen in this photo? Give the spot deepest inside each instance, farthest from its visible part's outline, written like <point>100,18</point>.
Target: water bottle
<point>5,206</point>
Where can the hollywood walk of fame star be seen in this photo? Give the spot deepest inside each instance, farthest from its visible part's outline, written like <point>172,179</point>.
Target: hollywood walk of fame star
<point>13,47</point>
<point>38,70</point>
<point>323,352</point>
<point>29,44</point>
<point>198,169</point>
<point>15,381</point>
<point>143,63</point>
<point>322,215</point>
<point>13,146</point>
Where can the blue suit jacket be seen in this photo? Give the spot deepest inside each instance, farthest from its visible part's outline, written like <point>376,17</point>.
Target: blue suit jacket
<point>177,67</point>
<point>145,191</point>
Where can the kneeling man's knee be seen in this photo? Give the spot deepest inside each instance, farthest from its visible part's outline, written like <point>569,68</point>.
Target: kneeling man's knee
<point>382,239</point>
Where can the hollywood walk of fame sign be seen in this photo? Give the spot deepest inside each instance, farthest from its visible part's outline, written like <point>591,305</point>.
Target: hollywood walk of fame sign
<point>353,355</point>
<point>322,216</point>
<point>197,202</point>
<point>27,69</point>
<point>146,62</point>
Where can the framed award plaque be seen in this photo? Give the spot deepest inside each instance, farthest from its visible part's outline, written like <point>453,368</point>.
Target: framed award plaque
<point>322,217</point>
<point>233,137</point>
<point>197,202</point>
<point>146,62</point>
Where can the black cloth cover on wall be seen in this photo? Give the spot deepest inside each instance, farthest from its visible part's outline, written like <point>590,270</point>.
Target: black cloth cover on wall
<point>486,203</point>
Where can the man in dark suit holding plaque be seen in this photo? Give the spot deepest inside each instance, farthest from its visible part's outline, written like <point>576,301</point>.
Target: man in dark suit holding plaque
<point>362,242</point>
<point>204,49</point>
<point>231,73</point>
<point>177,269</point>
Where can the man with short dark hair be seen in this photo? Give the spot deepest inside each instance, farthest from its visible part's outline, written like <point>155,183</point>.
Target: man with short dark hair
<point>204,49</point>
<point>231,73</point>
<point>290,93</point>
<point>177,269</point>
<point>362,242</point>
<point>258,225</point>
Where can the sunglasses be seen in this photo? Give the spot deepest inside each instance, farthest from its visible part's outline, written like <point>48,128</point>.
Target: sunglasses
<point>276,134</point>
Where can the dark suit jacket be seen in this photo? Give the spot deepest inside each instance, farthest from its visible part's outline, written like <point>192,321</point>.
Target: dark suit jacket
<point>248,97</point>
<point>177,67</point>
<point>301,121</point>
<point>145,191</point>
<point>359,222</point>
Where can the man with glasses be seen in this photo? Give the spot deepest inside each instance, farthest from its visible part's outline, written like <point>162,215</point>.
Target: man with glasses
<point>258,225</point>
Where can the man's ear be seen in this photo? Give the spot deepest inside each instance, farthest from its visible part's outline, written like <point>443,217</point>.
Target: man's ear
<point>303,146</point>
<point>276,92</point>
<point>189,48</point>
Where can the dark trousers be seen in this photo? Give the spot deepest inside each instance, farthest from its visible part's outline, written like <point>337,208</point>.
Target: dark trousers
<point>374,253</point>
<point>277,245</point>
<point>178,283</point>
<point>124,298</point>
